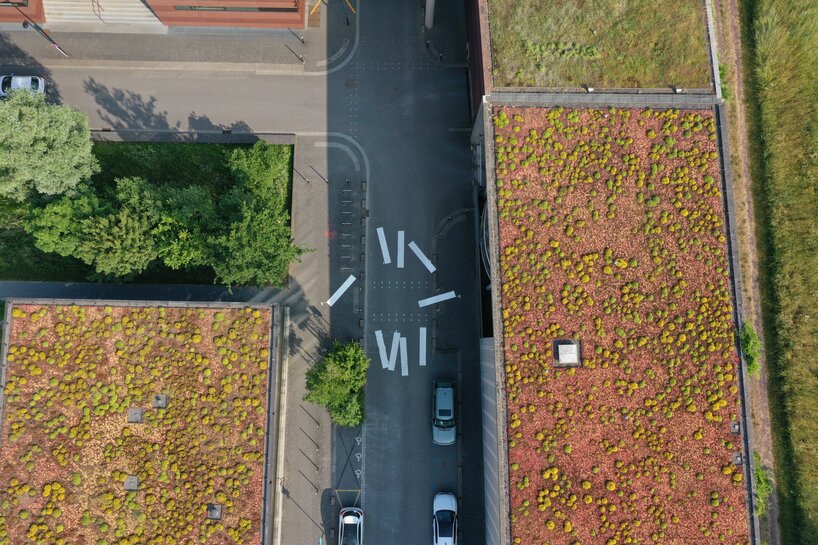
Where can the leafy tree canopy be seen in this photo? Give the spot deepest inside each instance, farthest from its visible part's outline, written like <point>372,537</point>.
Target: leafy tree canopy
<point>239,229</point>
<point>45,148</point>
<point>337,383</point>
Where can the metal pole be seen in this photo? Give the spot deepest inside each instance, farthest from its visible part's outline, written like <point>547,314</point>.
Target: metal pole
<point>29,23</point>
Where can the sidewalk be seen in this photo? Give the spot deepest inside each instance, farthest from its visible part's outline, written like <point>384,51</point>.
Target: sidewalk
<point>185,47</point>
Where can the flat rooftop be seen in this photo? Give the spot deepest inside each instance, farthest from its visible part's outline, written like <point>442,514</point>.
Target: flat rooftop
<point>123,424</point>
<point>612,233</point>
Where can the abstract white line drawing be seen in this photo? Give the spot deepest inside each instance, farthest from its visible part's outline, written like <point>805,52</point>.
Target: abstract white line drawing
<point>423,259</point>
<point>437,299</point>
<point>404,358</point>
<point>400,249</point>
<point>384,247</point>
<point>393,356</point>
<point>422,358</point>
<point>382,349</point>
<point>340,291</point>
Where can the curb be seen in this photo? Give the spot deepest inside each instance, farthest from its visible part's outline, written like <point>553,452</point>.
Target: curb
<point>282,349</point>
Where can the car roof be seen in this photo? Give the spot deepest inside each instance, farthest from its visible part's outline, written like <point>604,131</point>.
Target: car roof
<point>444,396</point>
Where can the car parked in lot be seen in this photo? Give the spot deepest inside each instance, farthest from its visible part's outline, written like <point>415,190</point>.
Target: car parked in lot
<point>444,429</point>
<point>32,84</point>
<point>444,521</point>
<point>351,526</point>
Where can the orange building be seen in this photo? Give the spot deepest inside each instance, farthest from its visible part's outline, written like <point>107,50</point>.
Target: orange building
<point>223,13</point>
<point>235,13</point>
<point>17,11</point>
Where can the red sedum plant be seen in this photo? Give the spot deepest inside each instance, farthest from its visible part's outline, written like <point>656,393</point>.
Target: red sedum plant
<point>612,232</point>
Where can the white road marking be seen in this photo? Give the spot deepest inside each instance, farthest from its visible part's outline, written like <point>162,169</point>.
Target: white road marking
<point>437,299</point>
<point>404,358</point>
<point>384,247</point>
<point>422,346</point>
<point>393,356</point>
<point>382,349</point>
<point>340,291</point>
<point>400,249</point>
<point>423,259</point>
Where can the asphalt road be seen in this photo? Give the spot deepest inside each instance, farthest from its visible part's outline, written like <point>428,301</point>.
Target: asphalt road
<point>402,117</point>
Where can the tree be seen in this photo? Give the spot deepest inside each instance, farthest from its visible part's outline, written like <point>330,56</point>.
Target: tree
<point>185,217</point>
<point>257,248</point>
<point>57,228</point>
<point>337,383</point>
<point>264,170</point>
<point>119,244</point>
<point>44,148</point>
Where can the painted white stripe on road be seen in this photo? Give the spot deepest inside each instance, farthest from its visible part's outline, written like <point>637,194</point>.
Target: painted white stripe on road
<point>340,291</point>
<point>423,259</point>
<point>422,346</point>
<point>382,349</point>
<point>400,249</point>
<point>384,248</point>
<point>437,299</point>
<point>393,356</point>
<point>404,358</point>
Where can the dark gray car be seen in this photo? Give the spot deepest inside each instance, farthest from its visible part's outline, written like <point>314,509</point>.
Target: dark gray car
<point>444,429</point>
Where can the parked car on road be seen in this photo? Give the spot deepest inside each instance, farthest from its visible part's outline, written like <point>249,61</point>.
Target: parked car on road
<point>444,430</point>
<point>351,526</point>
<point>32,84</point>
<point>444,521</point>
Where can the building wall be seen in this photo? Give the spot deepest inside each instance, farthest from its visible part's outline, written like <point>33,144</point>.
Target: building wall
<point>491,462</point>
<point>479,51</point>
<point>33,11</point>
<point>244,13</point>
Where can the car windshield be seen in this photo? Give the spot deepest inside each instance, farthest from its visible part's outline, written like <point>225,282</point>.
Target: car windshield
<point>35,84</point>
<point>445,523</point>
<point>444,423</point>
<point>6,84</point>
<point>350,535</point>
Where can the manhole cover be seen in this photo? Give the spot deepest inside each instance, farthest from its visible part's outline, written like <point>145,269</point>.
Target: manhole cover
<point>160,401</point>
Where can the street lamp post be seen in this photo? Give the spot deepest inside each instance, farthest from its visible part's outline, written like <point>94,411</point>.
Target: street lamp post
<point>29,23</point>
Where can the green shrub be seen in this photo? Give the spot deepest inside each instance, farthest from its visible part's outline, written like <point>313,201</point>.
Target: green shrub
<point>751,346</point>
<point>337,383</point>
<point>763,486</point>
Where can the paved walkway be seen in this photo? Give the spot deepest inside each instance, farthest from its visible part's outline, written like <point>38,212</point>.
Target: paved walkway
<point>192,48</point>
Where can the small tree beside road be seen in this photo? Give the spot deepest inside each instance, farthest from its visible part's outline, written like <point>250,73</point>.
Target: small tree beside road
<point>337,383</point>
<point>45,148</point>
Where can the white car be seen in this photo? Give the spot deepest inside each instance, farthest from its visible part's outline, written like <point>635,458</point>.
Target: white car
<point>444,522</point>
<point>444,429</point>
<point>32,84</point>
<point>351,526</point>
